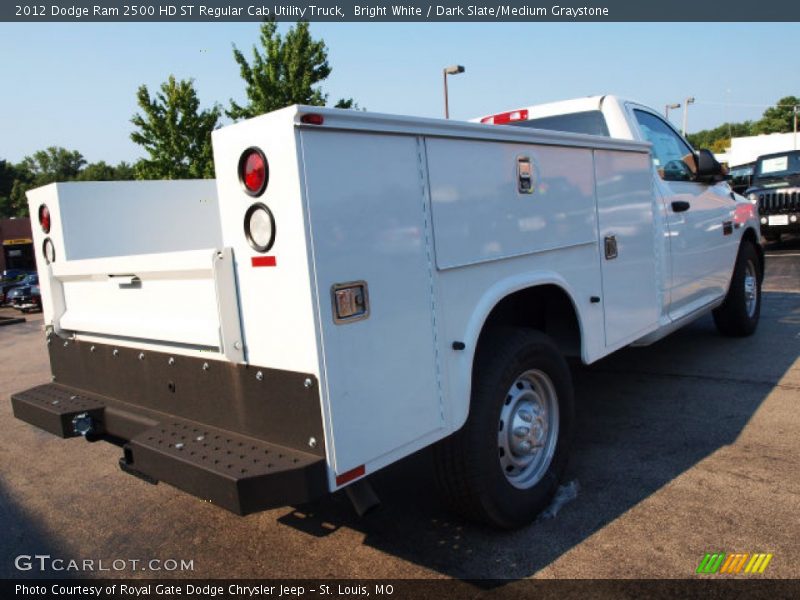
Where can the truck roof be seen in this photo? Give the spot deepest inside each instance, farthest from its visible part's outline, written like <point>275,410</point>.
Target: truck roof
<point>776,154</point>
<point>550,108</point>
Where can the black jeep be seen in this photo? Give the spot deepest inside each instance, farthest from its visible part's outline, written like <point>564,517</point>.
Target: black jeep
<point>776,191</point>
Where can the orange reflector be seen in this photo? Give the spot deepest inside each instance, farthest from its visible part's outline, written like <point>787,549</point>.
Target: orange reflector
<point>350,475</point>
<point>263,261</point>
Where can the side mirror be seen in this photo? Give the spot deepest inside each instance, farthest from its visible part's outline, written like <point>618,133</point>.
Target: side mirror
<point>708,169</point>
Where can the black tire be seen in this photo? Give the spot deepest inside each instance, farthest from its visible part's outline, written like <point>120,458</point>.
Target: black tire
<point>468,463</point>
<point>734,317</point>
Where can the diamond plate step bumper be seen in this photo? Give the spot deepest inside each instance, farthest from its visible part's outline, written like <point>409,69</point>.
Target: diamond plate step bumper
<point>236,472</point>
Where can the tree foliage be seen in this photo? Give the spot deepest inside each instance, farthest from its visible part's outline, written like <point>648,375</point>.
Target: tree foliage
<point>175,133</point>
<point>778,118</point>
<point>47,166</point>
<point>287,70</point>
<point>53,164</point>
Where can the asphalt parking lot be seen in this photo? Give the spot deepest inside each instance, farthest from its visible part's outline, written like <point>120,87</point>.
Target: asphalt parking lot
<point>689,446</point>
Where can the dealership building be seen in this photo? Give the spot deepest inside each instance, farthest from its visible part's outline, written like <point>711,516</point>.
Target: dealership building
<point>747,149</point>
<point>16,240</point>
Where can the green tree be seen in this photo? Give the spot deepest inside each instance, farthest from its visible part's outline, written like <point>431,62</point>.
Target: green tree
<point>42,167</point>
<point>102,171</point>
<point>53,164</point>
<point>47,166</point>
<point>778,118</point>
<point>287,70</point>
<point>175,133</point>
<point>8,175</point>
<point>711,138</point>
<point>99,171</point>
<point>124,171</point>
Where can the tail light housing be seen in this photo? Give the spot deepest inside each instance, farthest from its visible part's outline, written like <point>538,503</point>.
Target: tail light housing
<point>506,117</point>
<point>259,227</point>
<point>49,251</point>
<point>253,171</point>
<point>44,218</point>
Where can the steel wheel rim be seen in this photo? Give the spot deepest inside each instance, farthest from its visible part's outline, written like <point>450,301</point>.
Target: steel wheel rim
<point>750,288</point>
<point>528,429</point>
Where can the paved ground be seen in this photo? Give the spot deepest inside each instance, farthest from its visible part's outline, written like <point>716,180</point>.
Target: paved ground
<point>688,446</point>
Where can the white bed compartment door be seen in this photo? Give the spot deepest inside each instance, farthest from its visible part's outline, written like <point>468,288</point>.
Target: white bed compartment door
<point>627,244</point>
<point>367,209</point>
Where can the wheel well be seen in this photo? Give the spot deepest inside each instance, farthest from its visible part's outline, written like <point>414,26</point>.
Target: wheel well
<point>750,236</point>
<point>547,308</point>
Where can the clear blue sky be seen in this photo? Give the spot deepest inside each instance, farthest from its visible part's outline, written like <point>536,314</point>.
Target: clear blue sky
<point>74,85</point>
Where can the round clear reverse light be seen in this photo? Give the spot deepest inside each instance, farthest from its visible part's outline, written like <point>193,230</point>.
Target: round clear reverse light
<point>259,227</point>
<point>49,251</point>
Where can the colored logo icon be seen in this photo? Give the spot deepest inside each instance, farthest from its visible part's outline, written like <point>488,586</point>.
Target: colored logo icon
<point>721,563</point>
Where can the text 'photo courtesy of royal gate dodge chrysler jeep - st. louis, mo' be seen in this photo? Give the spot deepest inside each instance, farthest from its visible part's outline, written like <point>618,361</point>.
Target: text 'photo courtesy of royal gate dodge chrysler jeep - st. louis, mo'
<point>354,287</point>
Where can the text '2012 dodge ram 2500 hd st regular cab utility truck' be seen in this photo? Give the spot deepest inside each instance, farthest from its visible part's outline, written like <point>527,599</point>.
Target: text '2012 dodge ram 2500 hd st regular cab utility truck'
<point>354,287</point>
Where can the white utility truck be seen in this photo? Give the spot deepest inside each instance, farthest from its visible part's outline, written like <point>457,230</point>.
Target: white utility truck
<point>354,287</point>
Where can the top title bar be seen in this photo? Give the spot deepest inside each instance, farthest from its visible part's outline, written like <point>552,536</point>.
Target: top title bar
<point>407,11</point>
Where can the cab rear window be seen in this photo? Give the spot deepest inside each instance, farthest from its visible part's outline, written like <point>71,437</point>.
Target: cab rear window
<point>590,122</point>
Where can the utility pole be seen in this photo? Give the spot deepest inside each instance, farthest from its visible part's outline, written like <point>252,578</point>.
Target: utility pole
<point>454,70</point>
<point>795,125</point>
<point>670,106</point>
<point>686,104</point>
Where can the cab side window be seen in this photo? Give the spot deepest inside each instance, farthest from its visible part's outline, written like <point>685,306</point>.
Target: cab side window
<point>672,157</point>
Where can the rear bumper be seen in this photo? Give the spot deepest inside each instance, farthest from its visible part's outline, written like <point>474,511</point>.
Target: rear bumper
<point>223,455</point>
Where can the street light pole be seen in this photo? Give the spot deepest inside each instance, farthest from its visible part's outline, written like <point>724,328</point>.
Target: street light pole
<point>795,125</point>
<point>452,70</point>
<point>670,106</point>
<point>686,104</point>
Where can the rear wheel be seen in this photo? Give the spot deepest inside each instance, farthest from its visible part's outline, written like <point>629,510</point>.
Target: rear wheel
<point>738,315</point>
<point>504,465</point>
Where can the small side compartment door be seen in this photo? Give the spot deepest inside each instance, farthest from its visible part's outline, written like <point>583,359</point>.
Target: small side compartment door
<point>368,217</point>
<point>626,228</point>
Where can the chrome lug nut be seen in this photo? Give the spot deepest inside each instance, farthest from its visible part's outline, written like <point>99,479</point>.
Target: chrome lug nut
<point>521,431</point>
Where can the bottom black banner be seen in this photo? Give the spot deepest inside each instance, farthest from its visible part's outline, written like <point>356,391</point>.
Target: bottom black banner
<point>289,589</point>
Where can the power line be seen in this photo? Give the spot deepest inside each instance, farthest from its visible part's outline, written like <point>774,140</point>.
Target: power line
<point>718,103</point>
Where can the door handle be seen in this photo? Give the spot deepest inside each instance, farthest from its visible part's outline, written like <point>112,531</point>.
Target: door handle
<point>680,206</point>
<point>610,245</point>
<point>125,281</point>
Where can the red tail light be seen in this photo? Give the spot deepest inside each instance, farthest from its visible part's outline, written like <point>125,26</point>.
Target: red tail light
<point>506,117</point>
<point>743,213</point>
<point>253,171</point>
<point>44,218</point>
<point>312,119</point>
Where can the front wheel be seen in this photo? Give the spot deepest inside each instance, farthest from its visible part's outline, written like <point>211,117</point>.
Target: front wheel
<point>739,313</point>
<point>504,465</point>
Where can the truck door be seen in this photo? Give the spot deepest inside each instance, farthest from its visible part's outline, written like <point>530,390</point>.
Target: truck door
<point>370,235</point>
<point>627,244</point>
<point>698,219</point>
